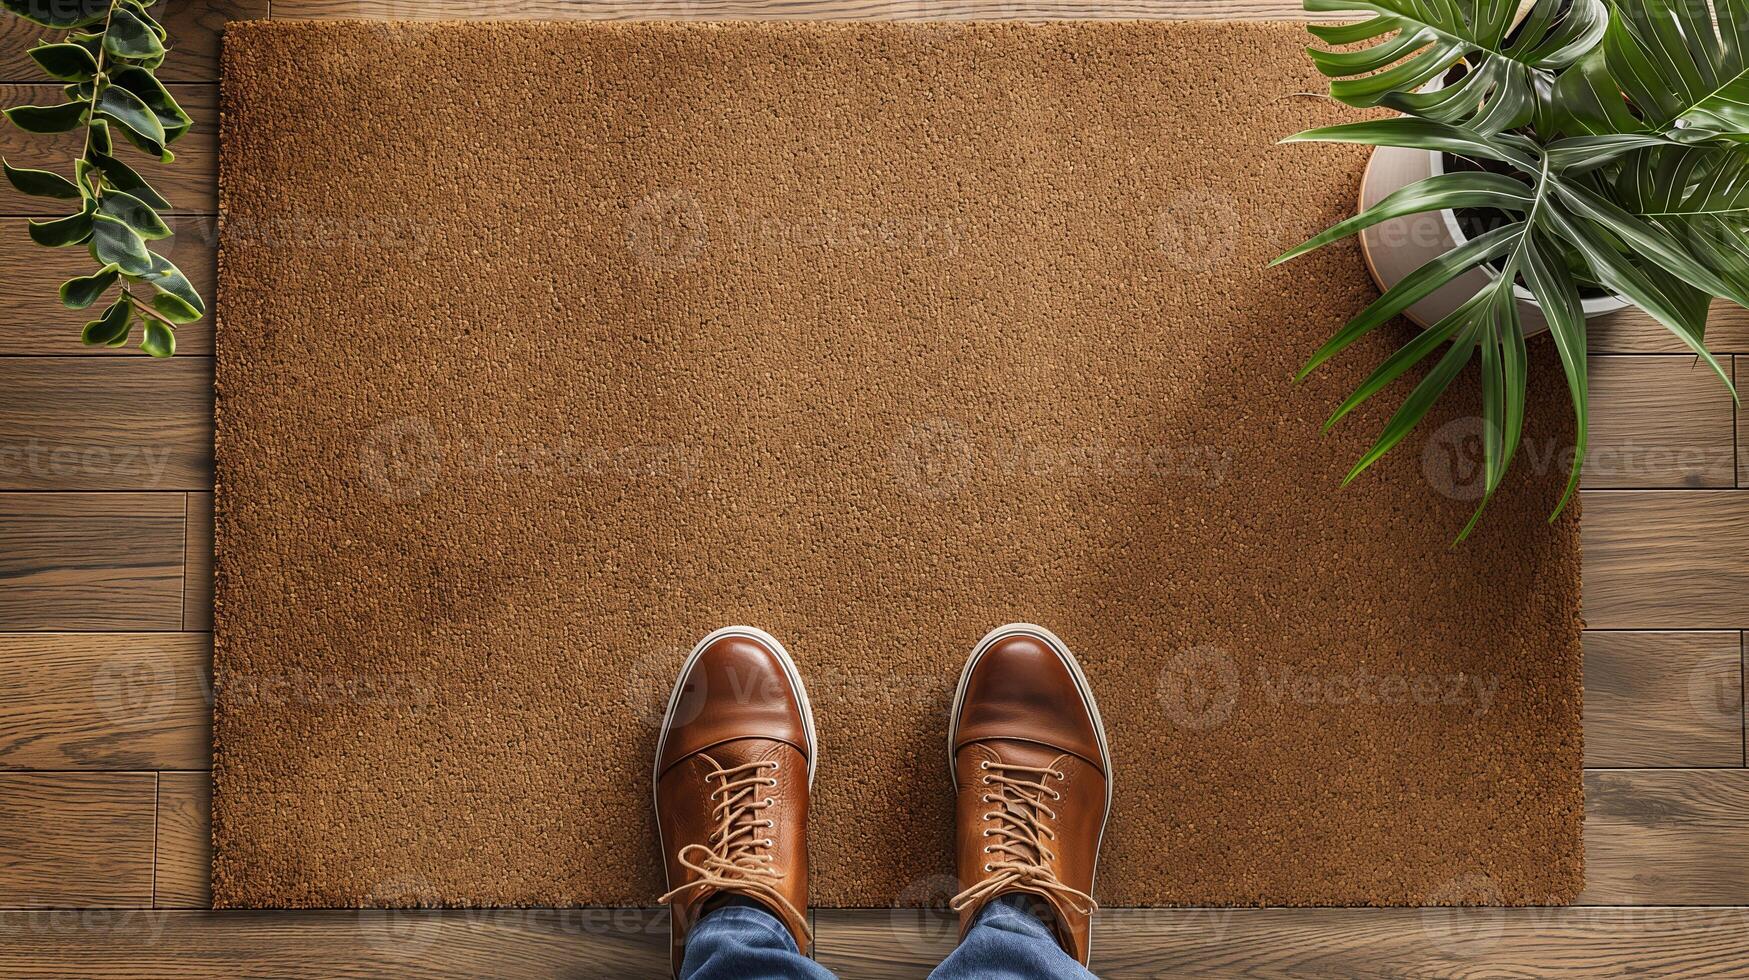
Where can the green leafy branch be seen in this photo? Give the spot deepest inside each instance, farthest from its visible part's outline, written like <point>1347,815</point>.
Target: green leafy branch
<point>108,62</point>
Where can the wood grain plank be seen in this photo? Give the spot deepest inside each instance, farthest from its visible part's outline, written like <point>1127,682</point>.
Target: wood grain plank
<point>793,10</point>
<point>1663,699</point>
<point>194,27</point>
<point>183,876</point>
<point>1659,422</point>
<point>32,319</point>
<point>1666,559</point>
<point>197,575</point>
<point>337,945</point>
<point>190,182</point>
<point>1632,331</point>
<point>76,839</point>
<point>105,701</point>
<point>1666,837</point>
<point>875,945</point>
<point>1740,374</point>
<point>1473,942</point>
<point>85,561</point>
<point>90,423</point>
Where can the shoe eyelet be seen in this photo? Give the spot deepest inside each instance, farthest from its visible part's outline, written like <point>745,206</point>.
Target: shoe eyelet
<point>986,847</point>
<point>769,801</point>
<point>985,780</point>
<point>989,868</point>
<point>984,764</point>
<point>775,767</point>
<point>1056,796</point>
<point>1060,775</point>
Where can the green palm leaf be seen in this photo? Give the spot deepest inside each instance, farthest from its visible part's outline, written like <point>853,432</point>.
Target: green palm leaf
<point>1558,296</point>
<point>1453,190</point>
<point>1699,196</point>
<point>1664,68</point>
<point>1426,38</point>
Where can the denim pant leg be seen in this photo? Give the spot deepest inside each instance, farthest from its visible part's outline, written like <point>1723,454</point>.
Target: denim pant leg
<point>742,941</point>
<point>1008,943</point>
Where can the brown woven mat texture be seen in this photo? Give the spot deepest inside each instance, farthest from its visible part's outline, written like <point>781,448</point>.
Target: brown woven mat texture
<point>545,349</point>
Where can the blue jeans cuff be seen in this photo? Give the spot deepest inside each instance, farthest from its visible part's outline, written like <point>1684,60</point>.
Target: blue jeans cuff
<point>738,914</point>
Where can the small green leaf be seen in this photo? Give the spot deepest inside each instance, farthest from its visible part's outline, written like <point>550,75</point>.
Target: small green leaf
<point>135,213</point>
<point>123,177</point>
<point>110,329</point>
<point>81,291</point>
<point>62,232</point>
<point>130,37</point>
<point>60,13</point>
<point>114,242</point>
<point>100,139</point>
<point>47,119</point>
<point>126,108</point>
<point>152,92</point>
<point>167,277</point>
<point>139,10</point>
<point>174,308</point>
<point>41,183</point>
<point>65,61</point>
<point>160,339</point>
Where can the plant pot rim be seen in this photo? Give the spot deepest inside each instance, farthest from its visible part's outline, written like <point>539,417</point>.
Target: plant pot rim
<point>1589,305</point>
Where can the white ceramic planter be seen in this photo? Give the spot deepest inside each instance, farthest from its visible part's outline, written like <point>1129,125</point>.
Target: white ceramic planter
<point>1395,248</point>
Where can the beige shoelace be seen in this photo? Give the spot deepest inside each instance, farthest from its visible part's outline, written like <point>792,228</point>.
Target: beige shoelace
<point>1021,838</point>
<point>738,857</point>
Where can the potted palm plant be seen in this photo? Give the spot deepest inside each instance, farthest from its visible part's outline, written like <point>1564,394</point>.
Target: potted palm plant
<point>1586,154</point>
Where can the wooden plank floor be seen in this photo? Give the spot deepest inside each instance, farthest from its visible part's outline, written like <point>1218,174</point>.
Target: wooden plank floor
<point>105,675</point>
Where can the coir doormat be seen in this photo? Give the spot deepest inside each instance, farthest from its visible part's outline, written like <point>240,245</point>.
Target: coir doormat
<point>544,350</point>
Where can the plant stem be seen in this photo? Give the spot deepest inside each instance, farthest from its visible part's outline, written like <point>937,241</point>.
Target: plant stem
<point>97,80</point>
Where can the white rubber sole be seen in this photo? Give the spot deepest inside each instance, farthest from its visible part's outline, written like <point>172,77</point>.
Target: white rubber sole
<point>1085,689</point>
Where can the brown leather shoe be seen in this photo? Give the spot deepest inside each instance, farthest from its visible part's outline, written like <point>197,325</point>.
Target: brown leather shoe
<point>1033,778</point>
<point>734,764</point>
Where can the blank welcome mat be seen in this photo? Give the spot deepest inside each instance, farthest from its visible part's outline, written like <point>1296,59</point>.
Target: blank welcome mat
<point>546,349</point>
